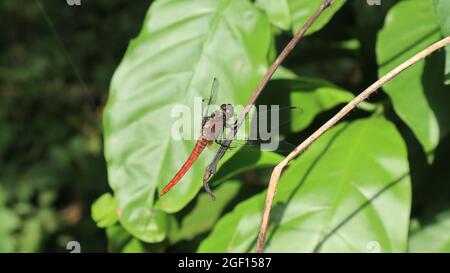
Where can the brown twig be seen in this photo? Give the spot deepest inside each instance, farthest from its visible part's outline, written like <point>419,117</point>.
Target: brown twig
<point>211,169</point>
<point>330,123</point>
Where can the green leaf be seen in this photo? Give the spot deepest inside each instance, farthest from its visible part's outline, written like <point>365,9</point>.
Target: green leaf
<point>119,240</point>
<point>244,160</point>
<point>278,12</point>
<point>348,191</point>
<point>302,10</point>
<point>183,45</point>
<point>312,96</point>
<point>104,211</point>
<point>433,237</point>
<point>205,214</point>
<point>442,8</point>
<point>417,94</point>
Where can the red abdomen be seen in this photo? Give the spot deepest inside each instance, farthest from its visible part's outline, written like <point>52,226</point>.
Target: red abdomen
<point>198,149</point>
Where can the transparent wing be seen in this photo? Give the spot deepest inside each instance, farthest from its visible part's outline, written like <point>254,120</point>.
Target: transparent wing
<point>264,130</point>
<point>208,104</point>
<point>266,121</point>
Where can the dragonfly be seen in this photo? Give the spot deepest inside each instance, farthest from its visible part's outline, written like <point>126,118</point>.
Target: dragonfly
<point>212,127</point>
<point>212,131</point>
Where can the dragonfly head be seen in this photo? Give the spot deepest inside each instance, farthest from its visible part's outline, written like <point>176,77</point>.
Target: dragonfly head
<point>227,109</point>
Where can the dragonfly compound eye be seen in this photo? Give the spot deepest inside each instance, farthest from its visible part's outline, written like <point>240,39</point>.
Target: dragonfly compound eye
<point>229,110</point>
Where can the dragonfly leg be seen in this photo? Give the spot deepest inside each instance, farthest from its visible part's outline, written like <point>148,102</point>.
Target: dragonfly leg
<point>232,126</point>
<point>208,190</point>
<point>221,144</point>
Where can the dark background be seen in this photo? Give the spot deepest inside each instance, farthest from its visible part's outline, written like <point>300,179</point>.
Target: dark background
<point>56,62</point>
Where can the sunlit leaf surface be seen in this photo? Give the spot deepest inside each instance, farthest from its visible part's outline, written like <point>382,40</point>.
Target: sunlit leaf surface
<point>183,45</point>
<point>348,192</point>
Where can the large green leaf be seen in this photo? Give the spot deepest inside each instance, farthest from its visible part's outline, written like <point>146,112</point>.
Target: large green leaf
<point>433,237</point>
<point>183,45</point>
<point>278,12</point>
<point>442,8</point>
<point>418,94</point>
<point>302,10</point>
<point>348,191</point>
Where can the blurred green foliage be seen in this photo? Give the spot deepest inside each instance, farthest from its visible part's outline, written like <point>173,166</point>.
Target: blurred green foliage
<point>56,62</point>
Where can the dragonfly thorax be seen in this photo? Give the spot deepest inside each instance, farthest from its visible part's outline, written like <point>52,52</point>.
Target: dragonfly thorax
<point>228,110</point>
<point>215,123</point>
